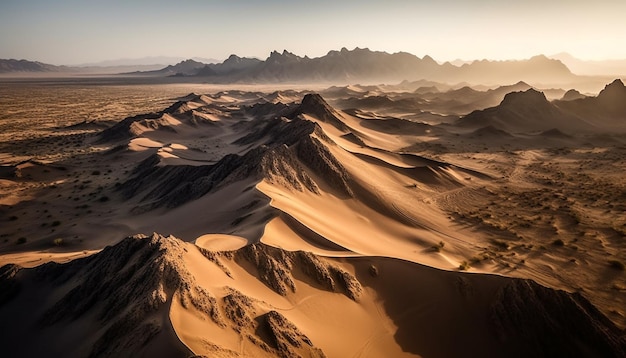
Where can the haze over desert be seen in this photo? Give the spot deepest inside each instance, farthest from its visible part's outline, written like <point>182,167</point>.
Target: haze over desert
<point>312,196</point>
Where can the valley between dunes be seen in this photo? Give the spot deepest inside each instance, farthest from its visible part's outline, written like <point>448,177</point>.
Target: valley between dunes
<point>418,219</point>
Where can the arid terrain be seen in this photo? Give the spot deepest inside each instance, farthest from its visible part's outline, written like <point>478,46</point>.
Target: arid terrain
<point>415,219</point>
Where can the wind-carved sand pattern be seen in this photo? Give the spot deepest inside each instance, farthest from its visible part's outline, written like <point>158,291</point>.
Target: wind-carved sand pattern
<point>347,221</point>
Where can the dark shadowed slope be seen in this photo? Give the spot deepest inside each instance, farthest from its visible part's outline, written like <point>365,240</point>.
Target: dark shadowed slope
<point>527,111</point>
<point>607,110</point>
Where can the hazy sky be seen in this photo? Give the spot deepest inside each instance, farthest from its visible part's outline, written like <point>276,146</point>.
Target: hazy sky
<point>73,32</point>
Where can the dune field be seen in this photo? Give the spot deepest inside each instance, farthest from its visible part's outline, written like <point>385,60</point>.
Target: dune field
<point>416,219</point>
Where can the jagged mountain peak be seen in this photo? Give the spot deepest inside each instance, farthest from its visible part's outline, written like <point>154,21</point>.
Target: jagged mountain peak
<point>314,104</point>
<point>530,97</point>
<point>354,52</point>
<point>314,99</point>
<point>275,53</point>
<point>281,58</point>
<point>571,95</point>
<point>232,58</point>
<point>613,99</point>
<point>613,90</point>
<point>427,58</point>
<point>616,83</point>
<point>186,67</point>
<point>549,63</point>
<point>187,63</point>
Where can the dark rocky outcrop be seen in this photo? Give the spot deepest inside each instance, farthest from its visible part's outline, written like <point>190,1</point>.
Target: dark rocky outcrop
<point>607,111</point>
<point>286,338</point>
<point>527,111</point>
<point>316,156</point>
<point>613,94</point>
<point>543,322</point>
<point>9,285</point>
<point>276,267</point>
<point>313,104</point>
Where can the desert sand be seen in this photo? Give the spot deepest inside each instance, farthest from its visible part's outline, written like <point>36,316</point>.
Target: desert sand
<point>364,221</point>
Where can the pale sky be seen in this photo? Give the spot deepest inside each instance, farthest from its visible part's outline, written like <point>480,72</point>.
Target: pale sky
<point>73,32</point>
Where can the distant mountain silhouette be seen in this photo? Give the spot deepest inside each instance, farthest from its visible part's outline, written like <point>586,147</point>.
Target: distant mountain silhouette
<point>232,65</point>
<point>426,90</point>
<point>8,66</point>
<point>343,66</point>
<point>572,95</point>
<point>536,69</point>
<point>144,61</point>
<point>592,68</point>
<point>346,66</point>
<point>185,68</point>
<point>364,65</point>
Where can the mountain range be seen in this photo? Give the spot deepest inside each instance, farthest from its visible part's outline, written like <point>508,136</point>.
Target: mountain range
<point>109,67</point>
<point>358,65</point>
<point>11,65</point>
<point>364,65</point>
